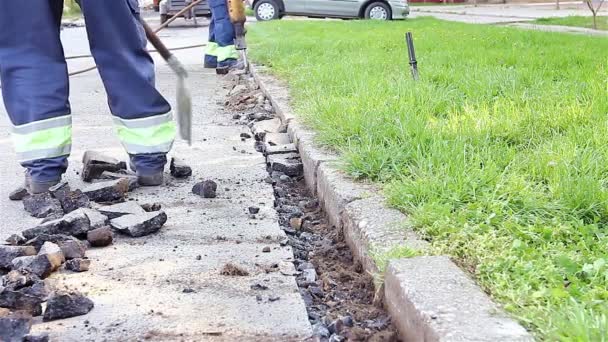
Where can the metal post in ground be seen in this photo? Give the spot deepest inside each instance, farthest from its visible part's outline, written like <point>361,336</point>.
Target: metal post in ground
<point>409,41</point>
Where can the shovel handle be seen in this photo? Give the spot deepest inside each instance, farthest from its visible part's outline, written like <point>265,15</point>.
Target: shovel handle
<point>156,42</point>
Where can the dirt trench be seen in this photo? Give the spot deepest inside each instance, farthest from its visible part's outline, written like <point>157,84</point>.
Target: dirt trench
<point>338,293</point>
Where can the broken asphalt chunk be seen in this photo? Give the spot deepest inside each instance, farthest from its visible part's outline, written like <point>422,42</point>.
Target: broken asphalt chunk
<point>133,184</point>
<point>59,190</point>
<point>281,149</point>
<point>53,253</point>
<point>260,116</point>
<point>19,301</point>
<point>18,194</point>
<point>70,200</point>
<point>274,139</point>
<point>42,205</point>
<point>76,223</point>
<point>39,240</point>
<point>179,169</point>
<point>96,219</point>
<point>15,280</point>
<point>8,253</point>
<point>260,128</point>
<point>206,189</point>
<point>40,265</point>
<point>95,163</point>
<point>108,191</point>
<point>66,305</point>
<point>38,289</point>
<point>78,265</point>
<point>15,240</point>
<point>100,237</point>
<point>121,209</point>
<point>290,166</point>
<point>14,326</point>
<point>151,207</point>
<point>73,200</point>
<point>141,224</point>
<point>73,248</point>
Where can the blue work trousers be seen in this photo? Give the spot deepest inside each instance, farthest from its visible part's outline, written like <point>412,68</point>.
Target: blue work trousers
<point>220,51</point>
<point>35,84</point>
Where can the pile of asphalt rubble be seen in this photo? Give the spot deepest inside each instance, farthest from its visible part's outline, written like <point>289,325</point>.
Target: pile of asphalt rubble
<point>338,293</point>
<point>72,221</point>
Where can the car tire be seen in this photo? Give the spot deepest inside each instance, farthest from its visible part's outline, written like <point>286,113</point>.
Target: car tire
<point>163,18</point>
<point>378,11</point>
<point>266,10</point>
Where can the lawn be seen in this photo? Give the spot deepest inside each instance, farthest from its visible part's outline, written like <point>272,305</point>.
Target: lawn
<point>577,21</point>
<point>499,153</point>
<point>71,9</point>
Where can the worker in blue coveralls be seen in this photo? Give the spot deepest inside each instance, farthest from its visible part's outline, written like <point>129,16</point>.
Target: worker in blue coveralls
<point>221,54</point>
<point>35,87</point>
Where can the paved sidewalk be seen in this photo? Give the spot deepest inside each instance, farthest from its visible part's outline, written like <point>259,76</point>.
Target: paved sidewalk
<point>503,13</point>
<point>138,284</point>
<point>561,29</point>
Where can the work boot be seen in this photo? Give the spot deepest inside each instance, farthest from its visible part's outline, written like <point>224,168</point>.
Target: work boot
<point>234,65</point>
<point>34,187</point>
<point>154,179</point>
<point>151,180</point>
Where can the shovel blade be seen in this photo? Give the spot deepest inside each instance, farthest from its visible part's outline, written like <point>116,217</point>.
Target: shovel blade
<point>184,111</point>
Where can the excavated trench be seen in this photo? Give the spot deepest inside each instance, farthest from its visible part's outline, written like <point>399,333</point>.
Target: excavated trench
<point>338,293</point>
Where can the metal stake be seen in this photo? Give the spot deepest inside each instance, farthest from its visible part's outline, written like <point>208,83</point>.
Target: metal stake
<point>409,41</point>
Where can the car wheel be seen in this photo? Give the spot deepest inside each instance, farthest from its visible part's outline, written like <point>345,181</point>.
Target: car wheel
<point>378,11</point>
<point>266,10</point>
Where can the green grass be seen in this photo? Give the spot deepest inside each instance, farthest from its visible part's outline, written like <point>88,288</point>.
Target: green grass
<point>71,9</point>
<point>499,153</point>
<point>382,258</point>
<point>577,21</point>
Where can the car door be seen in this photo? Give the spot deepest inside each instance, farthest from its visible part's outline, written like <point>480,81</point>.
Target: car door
<point>296,6</point>
<point>338,8</point>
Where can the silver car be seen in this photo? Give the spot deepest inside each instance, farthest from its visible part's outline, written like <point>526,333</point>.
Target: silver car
<point>365,9</point>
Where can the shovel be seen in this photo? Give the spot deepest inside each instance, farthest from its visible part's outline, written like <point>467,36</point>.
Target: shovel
<point>184,100</point>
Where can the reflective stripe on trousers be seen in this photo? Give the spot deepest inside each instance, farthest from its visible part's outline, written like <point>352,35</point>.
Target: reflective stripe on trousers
<point>43,139</point>
<point>153,134</point>
<point>211,49</point>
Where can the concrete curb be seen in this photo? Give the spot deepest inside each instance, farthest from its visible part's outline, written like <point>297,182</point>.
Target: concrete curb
<point>444,305</point>
<point>371,228</point>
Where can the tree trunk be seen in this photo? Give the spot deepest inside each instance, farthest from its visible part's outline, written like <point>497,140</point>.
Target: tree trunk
<point>594,20</point>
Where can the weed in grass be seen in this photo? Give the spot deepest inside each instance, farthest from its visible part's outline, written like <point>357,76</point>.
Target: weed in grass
<point>399,252</point>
